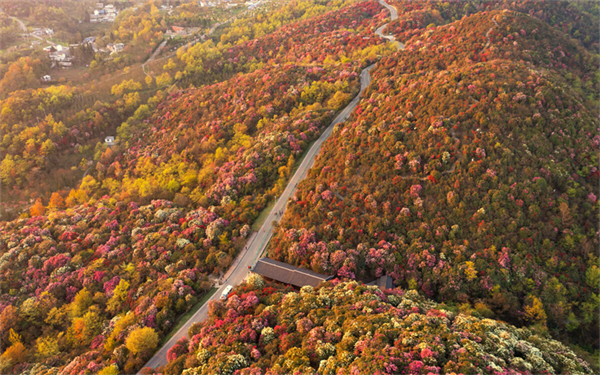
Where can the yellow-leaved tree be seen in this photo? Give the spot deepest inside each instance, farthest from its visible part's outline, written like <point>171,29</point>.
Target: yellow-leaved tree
<point>592,277</point>
<point>109,370</point>
<point>534,311</point>
<point>142,341</point>
<point>119,296</point>
<point>48,346</point>
<point>82,301</point>
<point>14,354</point>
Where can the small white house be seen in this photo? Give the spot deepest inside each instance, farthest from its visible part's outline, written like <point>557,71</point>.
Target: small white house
<point>115,48</point>
<point>109,140</point>
<point>46,78</point>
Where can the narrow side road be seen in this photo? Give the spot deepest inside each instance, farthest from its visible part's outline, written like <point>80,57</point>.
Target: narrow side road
<point>393,16</point>
<point>156,52</point>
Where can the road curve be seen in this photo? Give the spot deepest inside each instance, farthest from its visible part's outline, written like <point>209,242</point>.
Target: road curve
<point>21,24</point>
<point>261,239</point>
<point>393,16</point>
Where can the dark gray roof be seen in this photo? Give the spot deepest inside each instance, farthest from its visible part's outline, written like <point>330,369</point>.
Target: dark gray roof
<point>384,282</point>
<point>288,274</point>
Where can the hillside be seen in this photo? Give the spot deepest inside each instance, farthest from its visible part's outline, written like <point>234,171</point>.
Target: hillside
<point>576,19</point>
<point>469,173</point>
<point>130,249</point>
<point>348,328</point>
<point>52,136</point>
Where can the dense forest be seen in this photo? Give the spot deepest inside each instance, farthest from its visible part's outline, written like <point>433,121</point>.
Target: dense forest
<point>349,328</point>
<point>122,256</point>
<point>468,173</point>
<point>97,108</point>
<point>576,19</point>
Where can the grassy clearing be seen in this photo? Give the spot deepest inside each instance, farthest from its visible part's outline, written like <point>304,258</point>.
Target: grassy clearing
<point>260,220</point>
<point>299,161</point>
<point>185,317</point>
<point>73,74</point>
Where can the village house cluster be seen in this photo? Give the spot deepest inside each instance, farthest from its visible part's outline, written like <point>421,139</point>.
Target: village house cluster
<point>103,13</point>
<point>60,56</point>
<point>41,32</point>
<point>229,3</point>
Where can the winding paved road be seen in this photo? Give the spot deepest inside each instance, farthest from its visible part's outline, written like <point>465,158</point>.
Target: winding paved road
<point>21,24</point>
<point>258,242</point>
<point>393,16</point>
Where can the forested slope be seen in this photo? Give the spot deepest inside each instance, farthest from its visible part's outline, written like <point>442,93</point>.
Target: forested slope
<point>576,19</point>
<point>98,277</point>
<point>469,173</point>
<point>348,328</point>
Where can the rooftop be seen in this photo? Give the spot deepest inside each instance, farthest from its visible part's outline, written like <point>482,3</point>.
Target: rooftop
<point>288,274</point>
<point>384,282</point>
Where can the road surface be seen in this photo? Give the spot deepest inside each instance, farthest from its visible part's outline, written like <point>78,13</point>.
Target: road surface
<point>393,16</point>
<point>156,52</point>
<point>261,239</point>
<point>21,24</point>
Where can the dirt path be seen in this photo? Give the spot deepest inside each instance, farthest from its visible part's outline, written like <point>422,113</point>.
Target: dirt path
<point>487,35</point>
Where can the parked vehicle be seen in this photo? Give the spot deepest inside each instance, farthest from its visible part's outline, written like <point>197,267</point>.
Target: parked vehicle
<point>226,292</point>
